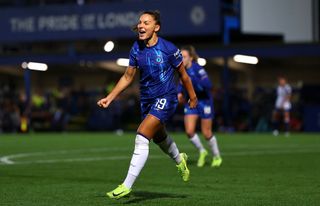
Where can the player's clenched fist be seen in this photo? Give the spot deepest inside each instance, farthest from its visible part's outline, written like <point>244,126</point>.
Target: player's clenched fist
<point>104,102</point>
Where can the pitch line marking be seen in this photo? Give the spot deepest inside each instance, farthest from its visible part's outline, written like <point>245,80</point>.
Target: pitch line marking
<point>7,160</point>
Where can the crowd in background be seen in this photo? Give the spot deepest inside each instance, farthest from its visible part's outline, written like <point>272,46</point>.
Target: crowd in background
<point>66,108</point>
<point>60,109</point>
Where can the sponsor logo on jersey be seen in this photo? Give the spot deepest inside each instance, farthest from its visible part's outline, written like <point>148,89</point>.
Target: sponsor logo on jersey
<point>177,54</point>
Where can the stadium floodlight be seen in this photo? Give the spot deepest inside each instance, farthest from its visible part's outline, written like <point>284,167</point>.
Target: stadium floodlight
<point>245,59</point>
<point>202,62</point>
<point>80,2</point>
<point>24,65</point>
<point>108,47</point>
<point>123,62</point>
<point>34,66</point>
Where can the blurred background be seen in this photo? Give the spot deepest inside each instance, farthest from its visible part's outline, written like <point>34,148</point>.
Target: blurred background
<point>57,58</point>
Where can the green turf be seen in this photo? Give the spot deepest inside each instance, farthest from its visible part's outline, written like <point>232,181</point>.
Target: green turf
<point>78,168</point>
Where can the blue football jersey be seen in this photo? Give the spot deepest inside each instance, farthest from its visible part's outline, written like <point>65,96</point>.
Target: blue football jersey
<point>157,65</point>
<point>200,81</point>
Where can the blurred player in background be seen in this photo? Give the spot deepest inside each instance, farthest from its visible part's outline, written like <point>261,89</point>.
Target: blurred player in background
<point>157,59</point>
<point>202,86</point>
<point>282,106</point>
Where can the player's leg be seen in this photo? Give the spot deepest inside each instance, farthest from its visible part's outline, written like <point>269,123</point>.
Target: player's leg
<point>168,146</point>
<point>147,129</point>
<point>206,129</point>
<point>286,116</point>
<point>163,113</point>
<point>190,123</point>
<point>275,122</point>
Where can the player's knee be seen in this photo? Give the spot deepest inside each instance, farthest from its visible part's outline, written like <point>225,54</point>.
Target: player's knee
<point>286,118</point>
<point>159,138</point>
<point>207,133</point>
<point>190,133</point>
<point>145,132</point>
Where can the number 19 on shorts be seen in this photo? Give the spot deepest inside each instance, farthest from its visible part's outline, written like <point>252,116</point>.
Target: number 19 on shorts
<point>161,103</point>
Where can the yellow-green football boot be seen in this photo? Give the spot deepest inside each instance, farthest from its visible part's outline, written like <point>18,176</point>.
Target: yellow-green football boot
<point>216,161</point>
<point>119,192</point>
<point>202,158</point>
<point>183,168</point>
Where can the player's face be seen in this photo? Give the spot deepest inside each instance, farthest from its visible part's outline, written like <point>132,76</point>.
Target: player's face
<point>282,81</point>
<point>147,27</point>
<point>187,60</point>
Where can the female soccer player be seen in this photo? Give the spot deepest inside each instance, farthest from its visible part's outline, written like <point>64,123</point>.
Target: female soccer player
<point>282,106</point>
<point>202,86</point>
<point>157,59</point>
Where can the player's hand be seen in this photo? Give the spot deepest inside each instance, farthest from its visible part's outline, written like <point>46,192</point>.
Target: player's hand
<point>105,102</point>
<point>193,102</point>
<point>181,98</point>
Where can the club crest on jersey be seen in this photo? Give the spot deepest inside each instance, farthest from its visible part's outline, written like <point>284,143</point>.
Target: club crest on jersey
<point>159,59</point>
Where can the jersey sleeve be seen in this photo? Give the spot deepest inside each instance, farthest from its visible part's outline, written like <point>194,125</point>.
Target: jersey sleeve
<point>202,78</point>
<point>175,57</point>
<point>133,58</point>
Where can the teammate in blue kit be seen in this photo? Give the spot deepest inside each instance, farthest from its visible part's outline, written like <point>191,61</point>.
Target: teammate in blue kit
<point>157,60</point>
<point>202,86</point>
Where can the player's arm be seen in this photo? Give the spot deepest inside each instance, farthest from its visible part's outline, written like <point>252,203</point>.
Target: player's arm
<point>288,97</point>
<point>186,81</point>
<point>122,84</point>
<point>180,93</point>
<point>205,83</point>
<point>203,79</point>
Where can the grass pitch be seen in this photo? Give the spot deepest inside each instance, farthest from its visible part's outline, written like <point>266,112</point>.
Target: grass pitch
<point>78,168</point>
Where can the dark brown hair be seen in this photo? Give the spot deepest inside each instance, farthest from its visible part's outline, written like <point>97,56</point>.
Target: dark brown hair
<point>281,76</point>
<point>155,15</point>
<point>192,52</point>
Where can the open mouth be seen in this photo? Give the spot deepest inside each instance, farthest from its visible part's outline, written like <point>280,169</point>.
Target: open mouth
<point>142,31</point>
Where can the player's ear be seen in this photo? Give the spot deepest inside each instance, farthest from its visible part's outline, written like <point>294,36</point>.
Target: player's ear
<point>157,28</point>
